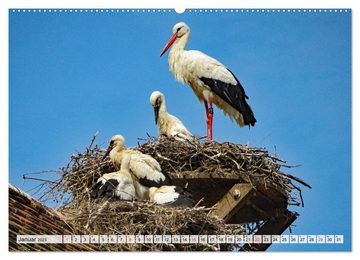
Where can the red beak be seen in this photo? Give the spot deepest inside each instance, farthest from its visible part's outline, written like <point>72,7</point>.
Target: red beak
<point>169,43</point>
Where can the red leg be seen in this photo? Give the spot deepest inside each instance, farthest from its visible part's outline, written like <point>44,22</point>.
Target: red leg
<point>210,115</point>
<point>207,119</point>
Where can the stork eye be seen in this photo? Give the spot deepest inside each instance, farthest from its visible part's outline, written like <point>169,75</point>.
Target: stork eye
<point>178,29</point>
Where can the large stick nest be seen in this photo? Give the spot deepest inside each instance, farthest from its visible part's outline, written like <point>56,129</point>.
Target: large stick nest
<point>144,218</point>
<point>190,159</point>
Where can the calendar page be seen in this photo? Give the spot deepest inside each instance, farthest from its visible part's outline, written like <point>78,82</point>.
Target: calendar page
<point>199,129</point>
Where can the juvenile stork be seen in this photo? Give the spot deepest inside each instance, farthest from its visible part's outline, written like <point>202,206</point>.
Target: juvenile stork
<point>117,184</point>
<point>139,177</point>
<point>211,81</point>
<point>169,125</point>
<point>145,168</point>
<point>171,195</point>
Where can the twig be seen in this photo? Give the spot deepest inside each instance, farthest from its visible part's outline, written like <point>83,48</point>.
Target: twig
<point>38,179</point>
<point>93,139</point>
<point>294,178</point>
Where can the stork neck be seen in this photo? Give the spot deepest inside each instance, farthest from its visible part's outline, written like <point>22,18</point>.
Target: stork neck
<point>162,108</point>
<point>119,148</point>
<point>175,57</point>
<point>179,44</point>
<point>125,163</point>
<point>115,152</point>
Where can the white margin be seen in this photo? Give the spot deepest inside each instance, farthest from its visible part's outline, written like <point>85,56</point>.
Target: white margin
<point>5,4</point>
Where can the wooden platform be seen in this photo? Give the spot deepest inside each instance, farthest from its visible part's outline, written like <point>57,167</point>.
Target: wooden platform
<point>262,202</point>
<point>239,203</point>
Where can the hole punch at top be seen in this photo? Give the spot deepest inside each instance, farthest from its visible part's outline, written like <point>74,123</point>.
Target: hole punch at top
<point>180,10</point>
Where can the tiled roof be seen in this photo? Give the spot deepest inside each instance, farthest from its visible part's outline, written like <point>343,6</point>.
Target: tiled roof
<point>28,216</point>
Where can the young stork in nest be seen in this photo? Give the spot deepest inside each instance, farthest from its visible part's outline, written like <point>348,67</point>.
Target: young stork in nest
<point>210,80</point>
<point>117,184</point>
<point>169,125</point>
<point>147,179</point>
<point>144,167</point>
<point>172,196</point>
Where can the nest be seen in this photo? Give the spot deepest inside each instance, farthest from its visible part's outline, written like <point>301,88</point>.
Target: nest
<point>199,159</point>
<point>179,160</point>
<point>144,218</point>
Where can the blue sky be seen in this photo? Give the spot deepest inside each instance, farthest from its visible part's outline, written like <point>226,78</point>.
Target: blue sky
<point>72,74</point>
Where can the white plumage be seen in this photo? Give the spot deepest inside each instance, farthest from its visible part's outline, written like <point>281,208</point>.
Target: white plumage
<point>171,195</point>
<point>117,184</point>
<point>139,178</point>
<point>144,167</point>
<point>210,80</point>
<point>169,125</point>
<point>163,195</point>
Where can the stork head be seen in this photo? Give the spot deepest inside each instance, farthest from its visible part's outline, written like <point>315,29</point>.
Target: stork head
<point>115,141</point>
<point>156,99</point>
<point>179,30</point>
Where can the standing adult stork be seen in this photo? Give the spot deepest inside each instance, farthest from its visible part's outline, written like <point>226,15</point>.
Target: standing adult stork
<point>211,81</point>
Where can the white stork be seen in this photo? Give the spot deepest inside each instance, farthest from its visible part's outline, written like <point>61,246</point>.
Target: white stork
<point>171,195</point>
<point>117,184</point>
<point>144,167</point>
<point>211,81</point>
<point>169,125</point>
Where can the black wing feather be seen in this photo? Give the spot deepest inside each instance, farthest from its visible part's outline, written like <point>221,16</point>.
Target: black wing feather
<point>185,198</point>
<point>151,183</point>
<point>234,95</point>
<point>104,190</point>
<point>95,191</point>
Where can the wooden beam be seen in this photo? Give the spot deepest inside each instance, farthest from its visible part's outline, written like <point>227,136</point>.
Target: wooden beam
<point>276,227</point>
<point>239,199</point>
<point>232,201</point>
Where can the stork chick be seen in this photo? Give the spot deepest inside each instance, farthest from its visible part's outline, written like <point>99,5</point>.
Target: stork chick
<point>171,195</point>
<point>117,184</point>
<point>169,125</point>
<point>144,167</point>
